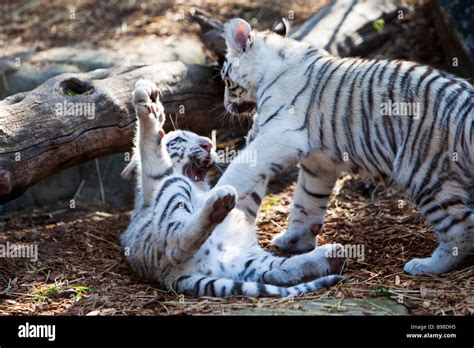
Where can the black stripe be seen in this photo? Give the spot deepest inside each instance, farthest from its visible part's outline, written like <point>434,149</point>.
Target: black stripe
<point>256,198</point>
<point>366,130</point>
<point>167,184</point>
<point>271,116</point>
<point>275,168</point>
<point>309,72</point>
<point>167,207</point>
<point>252,272</point>
<point>428,174</point>
<point>271,83</point>
<point>236,288</point>
<point>197,286</point>
<point>315,194</point>
<point>322,88</point>
<point>308,171</point>
<point>334,117</point>
<point>420,124</point>
<point>439,220</point>
<point>263,102</point>
<point>209,288</point>
<point>456,222</point>
<point>179,280</point>
<point>319,74</point>
<point>262,289</point>
<point>349,124</point>
<point>250,212</point>
<point>377,146</point>
<point>429,192</point>
<point>248,263</point>
<point>444,205</point>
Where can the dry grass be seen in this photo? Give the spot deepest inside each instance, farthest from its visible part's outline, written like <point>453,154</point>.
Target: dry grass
<point>49,23</point>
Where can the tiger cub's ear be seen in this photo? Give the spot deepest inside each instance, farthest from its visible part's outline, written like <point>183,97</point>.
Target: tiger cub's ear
<point>237,35</point>
<point>282,28</point>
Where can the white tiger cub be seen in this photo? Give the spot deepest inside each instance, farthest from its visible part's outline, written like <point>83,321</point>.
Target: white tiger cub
<point>186,237</point>
<point>327,113</point>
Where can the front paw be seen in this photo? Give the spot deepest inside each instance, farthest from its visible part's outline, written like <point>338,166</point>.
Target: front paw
<point>222,201</point>
<point>420,266</point>
<point>147,103</point>
<point>294,242</point>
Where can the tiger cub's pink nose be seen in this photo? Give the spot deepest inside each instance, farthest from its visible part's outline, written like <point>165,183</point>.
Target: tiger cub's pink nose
<point>207,146</point>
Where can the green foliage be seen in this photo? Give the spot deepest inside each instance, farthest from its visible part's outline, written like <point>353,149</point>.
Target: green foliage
<point>382,291</point>
<point>54,291</point>
<point>70,93</point>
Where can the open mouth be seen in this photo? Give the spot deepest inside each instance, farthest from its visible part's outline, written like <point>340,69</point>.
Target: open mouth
<point>197,169</point>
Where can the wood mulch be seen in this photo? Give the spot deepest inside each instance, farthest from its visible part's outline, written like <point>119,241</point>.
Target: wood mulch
<point>81,271</point>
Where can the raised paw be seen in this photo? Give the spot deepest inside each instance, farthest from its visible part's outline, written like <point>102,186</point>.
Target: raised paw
<point>146,102</point>
<point>145,92</point>
<point>222,206</point>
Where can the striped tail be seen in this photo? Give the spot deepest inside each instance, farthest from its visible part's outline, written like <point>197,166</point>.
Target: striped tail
<point>200,285</point>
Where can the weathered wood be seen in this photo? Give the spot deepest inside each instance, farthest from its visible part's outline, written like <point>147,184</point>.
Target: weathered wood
<point>344,28</point>
<point>36,142</point>
<point>45,130</point>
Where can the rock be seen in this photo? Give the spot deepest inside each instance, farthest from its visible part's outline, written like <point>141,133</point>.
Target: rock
<point>23,71</point>
<point>375,306</point>
<point>454,23</point>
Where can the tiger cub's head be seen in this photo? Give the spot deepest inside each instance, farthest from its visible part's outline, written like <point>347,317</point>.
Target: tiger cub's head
<point>192,154</point>
<point>249,54</point>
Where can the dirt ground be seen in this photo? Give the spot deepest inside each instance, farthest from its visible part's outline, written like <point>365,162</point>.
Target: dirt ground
<point>81,270</point>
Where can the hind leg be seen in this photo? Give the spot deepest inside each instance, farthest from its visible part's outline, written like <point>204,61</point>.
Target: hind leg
<point>185,230</point>
<point>285,271</point>
<point>450,213</point>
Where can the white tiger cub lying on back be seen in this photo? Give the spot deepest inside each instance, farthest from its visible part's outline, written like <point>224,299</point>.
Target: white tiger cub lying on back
<point>186,237</point>
<point>327,113</point>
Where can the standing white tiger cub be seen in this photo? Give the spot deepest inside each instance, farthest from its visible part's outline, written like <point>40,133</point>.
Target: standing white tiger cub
<point>186,237</point>
<point>326,113</point>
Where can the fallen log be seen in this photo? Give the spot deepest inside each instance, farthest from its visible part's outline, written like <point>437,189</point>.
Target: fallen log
<point>73,118</point>
<point>343,28</point>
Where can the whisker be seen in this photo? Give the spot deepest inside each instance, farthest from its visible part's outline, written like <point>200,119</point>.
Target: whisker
<point>215,107</point>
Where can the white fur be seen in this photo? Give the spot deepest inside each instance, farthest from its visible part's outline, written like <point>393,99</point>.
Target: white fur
<point>295,88</point>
